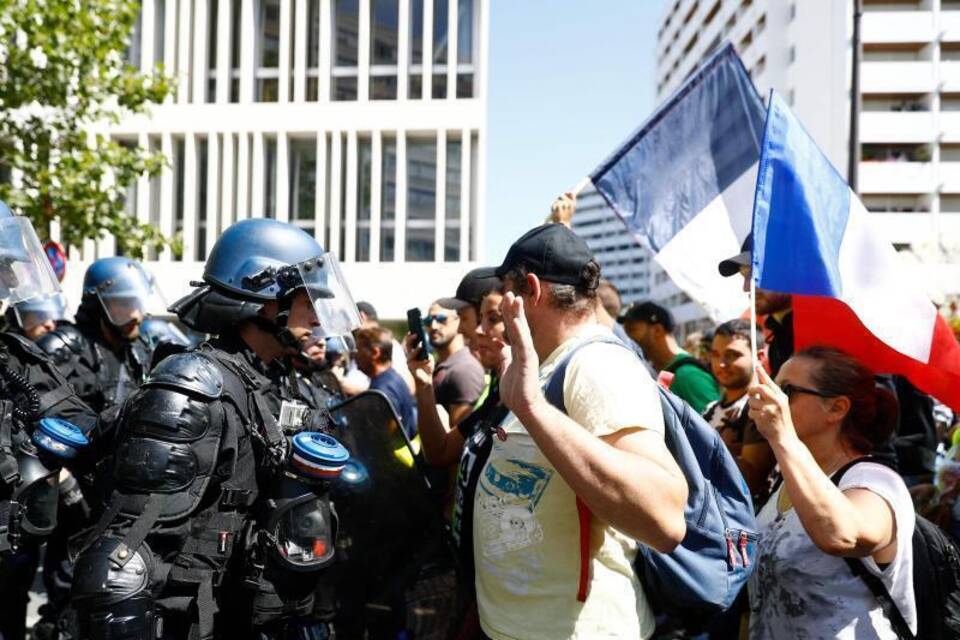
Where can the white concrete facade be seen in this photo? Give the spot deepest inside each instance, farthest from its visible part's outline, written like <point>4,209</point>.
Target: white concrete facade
<point>361,121</point>
<point>910,121</point>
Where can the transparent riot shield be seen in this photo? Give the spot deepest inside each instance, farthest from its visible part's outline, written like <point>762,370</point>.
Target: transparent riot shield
<point>396,569</point>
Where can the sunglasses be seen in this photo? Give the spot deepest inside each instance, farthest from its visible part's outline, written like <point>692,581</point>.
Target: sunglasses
<point>792,389</point>
<point>440,318</point>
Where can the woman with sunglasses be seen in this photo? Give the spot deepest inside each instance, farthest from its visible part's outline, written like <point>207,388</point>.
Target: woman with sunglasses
<point>823,417</point>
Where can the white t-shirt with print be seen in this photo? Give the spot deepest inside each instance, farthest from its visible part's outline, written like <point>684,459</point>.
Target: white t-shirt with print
<point>799,592</point>
<point>526,530</point>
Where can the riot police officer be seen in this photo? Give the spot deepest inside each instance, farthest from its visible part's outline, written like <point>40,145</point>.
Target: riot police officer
<point>36,317</point>
<point>103,354</point>
<point>203,510</point>
<point>33,446</point>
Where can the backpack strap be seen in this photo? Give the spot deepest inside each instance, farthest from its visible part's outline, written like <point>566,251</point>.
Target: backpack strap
<point>553,392</point>
<point>685,360</point>
<point>875,584</point>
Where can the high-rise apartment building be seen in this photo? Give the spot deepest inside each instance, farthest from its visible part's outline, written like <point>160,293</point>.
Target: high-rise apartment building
<point>622,261</point>
<point>361,121</point>
<point>909,175</point>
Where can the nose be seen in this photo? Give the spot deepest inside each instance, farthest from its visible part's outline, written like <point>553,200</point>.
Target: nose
<point>49,325</point>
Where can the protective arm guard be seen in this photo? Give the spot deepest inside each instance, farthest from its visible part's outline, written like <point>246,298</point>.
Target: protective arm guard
<point>113,601</point>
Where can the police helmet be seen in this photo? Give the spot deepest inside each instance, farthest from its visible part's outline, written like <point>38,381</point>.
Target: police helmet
<point>124,288</point>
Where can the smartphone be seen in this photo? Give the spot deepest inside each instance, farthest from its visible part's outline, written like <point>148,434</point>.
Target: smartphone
<point>415,326</point>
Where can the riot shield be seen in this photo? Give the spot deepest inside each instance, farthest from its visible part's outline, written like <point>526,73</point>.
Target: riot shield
<point>396,573</point>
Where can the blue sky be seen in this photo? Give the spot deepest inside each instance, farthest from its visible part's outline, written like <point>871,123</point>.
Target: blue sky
<point>568,81</point>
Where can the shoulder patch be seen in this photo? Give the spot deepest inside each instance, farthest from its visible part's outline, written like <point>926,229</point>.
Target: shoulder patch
<point>191,371</point>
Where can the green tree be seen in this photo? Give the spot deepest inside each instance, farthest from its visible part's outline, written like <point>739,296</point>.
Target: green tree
<point>63,74</point>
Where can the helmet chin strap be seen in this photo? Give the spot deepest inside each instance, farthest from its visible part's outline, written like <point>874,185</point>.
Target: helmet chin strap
<point>280,329</point>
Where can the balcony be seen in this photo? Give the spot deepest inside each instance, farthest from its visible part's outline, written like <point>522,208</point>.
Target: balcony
<point>903,228</point>
<point>950,76</point>
<point>910,76</point>
<point>950,24</point>
<point>896,126</point>
<point>897,26</point>
<point>949,174</point>
<point>896,177</point>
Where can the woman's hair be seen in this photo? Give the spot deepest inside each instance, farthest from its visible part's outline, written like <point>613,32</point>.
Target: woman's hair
<point>873,413</point>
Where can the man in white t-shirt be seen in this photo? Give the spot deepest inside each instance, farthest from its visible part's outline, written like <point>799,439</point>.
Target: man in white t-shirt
<point>564,498</point>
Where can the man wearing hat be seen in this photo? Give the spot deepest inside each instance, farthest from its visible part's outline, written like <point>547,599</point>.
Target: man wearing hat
<point>651,326</point>
<point>466,302</point>
<point>776,306</point>
<point>564,495</point>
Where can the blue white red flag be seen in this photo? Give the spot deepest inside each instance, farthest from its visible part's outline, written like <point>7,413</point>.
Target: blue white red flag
<point>813,239</point>
<point>683,183</point>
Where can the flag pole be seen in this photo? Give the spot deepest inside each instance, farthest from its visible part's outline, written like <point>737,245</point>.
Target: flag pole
<point>753,320</point>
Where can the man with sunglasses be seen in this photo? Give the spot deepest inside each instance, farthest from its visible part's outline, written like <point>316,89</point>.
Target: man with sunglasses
<point>458,376</point>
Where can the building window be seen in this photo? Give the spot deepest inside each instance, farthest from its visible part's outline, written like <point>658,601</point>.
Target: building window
<point>421,199</point>
<point>384,15</point>
<point>388,200</point>
<point>159,29</point>
<point>440,50</point>
<point>212,19</point>
<point>313,50</point>
<point>303,184</point>
<point>235,33</point>
<point>200,230</point>
<point>268,51</point>
<point>465,44</point>
<point>270,177</point>
<point>364,185</point>
<point>415,91</point>
<point>451,244</point>
<point>178,171</point>
<point>345,48</point>
<point>132,54</point>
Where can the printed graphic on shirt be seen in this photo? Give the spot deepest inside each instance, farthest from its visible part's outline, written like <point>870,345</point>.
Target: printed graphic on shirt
<point>508,495</point>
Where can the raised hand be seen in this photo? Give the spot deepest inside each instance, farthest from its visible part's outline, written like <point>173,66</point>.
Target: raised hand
<point>520,383</point>
<point>769,407</point>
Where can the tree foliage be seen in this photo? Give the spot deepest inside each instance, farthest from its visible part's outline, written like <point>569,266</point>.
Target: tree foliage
<point>63,75</point>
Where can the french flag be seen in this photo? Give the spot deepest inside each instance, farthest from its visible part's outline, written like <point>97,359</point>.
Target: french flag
<point>683,183</point>
<point>813,239</point>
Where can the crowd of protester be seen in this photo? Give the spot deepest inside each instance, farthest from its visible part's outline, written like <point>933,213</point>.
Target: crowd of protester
<point>816,436</point>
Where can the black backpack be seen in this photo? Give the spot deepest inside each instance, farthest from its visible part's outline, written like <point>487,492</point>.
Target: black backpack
<point>936,580</point>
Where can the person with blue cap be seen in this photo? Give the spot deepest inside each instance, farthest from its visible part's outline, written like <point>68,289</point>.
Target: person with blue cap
<point>201,514</point>
<point>44,426</point>
<point>103,354</point>
<point>36,317</point>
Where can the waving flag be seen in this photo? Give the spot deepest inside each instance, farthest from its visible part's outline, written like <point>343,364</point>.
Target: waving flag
<point>683,183</point>
<point>813,239</point>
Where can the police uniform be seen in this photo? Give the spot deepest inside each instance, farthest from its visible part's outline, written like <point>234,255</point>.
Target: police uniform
<point>200,496</point>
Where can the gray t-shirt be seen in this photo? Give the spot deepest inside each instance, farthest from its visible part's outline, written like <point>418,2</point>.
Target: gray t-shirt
<point>458,380</point>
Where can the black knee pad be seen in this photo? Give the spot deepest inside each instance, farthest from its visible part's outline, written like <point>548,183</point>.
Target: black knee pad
<point>113,602</point>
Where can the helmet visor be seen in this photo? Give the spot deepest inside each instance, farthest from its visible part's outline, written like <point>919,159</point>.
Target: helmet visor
<point>330,295</point>
<point>34,312</point>
<point>25,271</point>
<point>305,534</point>
<point>132,295</point>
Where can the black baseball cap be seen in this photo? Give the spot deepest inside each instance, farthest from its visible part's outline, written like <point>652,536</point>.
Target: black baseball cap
<point>476,284</point>
<point>551,251</point>
<point>649,312</point>
<point>732,265</point>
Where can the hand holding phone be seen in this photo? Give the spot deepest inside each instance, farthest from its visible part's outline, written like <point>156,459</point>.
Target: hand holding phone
<point>415,326</point>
